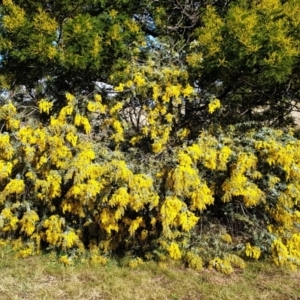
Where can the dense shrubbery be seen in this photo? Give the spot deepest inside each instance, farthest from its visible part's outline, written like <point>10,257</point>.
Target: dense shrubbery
<point>62,189</point>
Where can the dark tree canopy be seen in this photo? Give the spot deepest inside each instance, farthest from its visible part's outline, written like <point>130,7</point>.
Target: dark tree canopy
<point>246,54</point>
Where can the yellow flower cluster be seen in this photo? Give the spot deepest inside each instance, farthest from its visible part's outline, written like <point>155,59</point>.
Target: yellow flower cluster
<point>96,107</point>
<point>26,252</point>
<point>97,259</point>
<point>72,138</point>
<point>133,263</point>
<point>139,79</point>
<point>8,114</point>
<point>142,192</point>
<point>69,239</point>
<point>135,224</point>
<point>235,261</point>
<point>116,108</point>
<point>28,222</point>
<point>15,19</point>
<point>15,187</point>
<point>174,251</point>
<point>226,238</point>
<point>239,185</point>
<point>293,245</point>
<point>213,105</point>
<point>168,95</point>
<point>226,265</point>
<point>45,106</point>
<point>7,150</point>
<point>223,266</point>
<point>280,252</point>
<point>8,221</point>
<point>194,261</point>
<point>287,156</point>
<point>83,121</point>
<point>5,169</point>
<point>132,25</point>
<point>54,230</point>
<point>185,181</point>
<point>252,251</point>
<point>66,260</point>
<point>287,253</point>
<point>49,187</point>
<point>43,22</point>
<point>174,214</point>
<point>170,209</point>
<point>118,136</point>
<point>201,197</point>
<point>107,221</point>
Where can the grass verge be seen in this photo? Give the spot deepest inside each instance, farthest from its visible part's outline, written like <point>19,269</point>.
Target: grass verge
<point>43,277</point>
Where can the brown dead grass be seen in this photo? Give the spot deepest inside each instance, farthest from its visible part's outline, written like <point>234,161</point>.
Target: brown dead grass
<point>44,278</point>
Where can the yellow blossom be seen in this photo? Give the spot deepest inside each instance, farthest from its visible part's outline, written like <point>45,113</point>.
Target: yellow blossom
<point>65,260</point>
<point>72,138</point>
<point>194,261</point>
<point>213,105</point>
<point>252,251</point>
<point>5,169</point>
<point>10,222</point>
<point>220,265</point>
<point>226,238</point>
<point>28,222</point>
<point>135,262</point>
<point>69,239</point>
<point>15,186</point>
<point>116,108</point>
<point>113,13</point>
<point>69,97</point>
<point>120,88</point>
<point>139,80</point>
<point>174,251</point>
<point>129,83</point>
<point>135,224</point>
<point>77,120</point>
<point>188,91</point>
<point>187,220</point>
<point>98,98</point>
<point>169,118</point>
<point>45,106</point>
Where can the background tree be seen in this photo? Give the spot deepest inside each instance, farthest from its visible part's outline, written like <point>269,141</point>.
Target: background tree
<point>67,45</point>
<point>248,58</point>
<point>244,54</point>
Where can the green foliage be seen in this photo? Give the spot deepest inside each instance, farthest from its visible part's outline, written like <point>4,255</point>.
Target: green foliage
<point>248,58</point>
<point>66,44</point>
<point>244,54</point>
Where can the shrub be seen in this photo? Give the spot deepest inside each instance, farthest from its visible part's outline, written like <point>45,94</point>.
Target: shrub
<point>210,201</point>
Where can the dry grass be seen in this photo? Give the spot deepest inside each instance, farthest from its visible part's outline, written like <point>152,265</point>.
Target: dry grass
<point>44,278</point>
